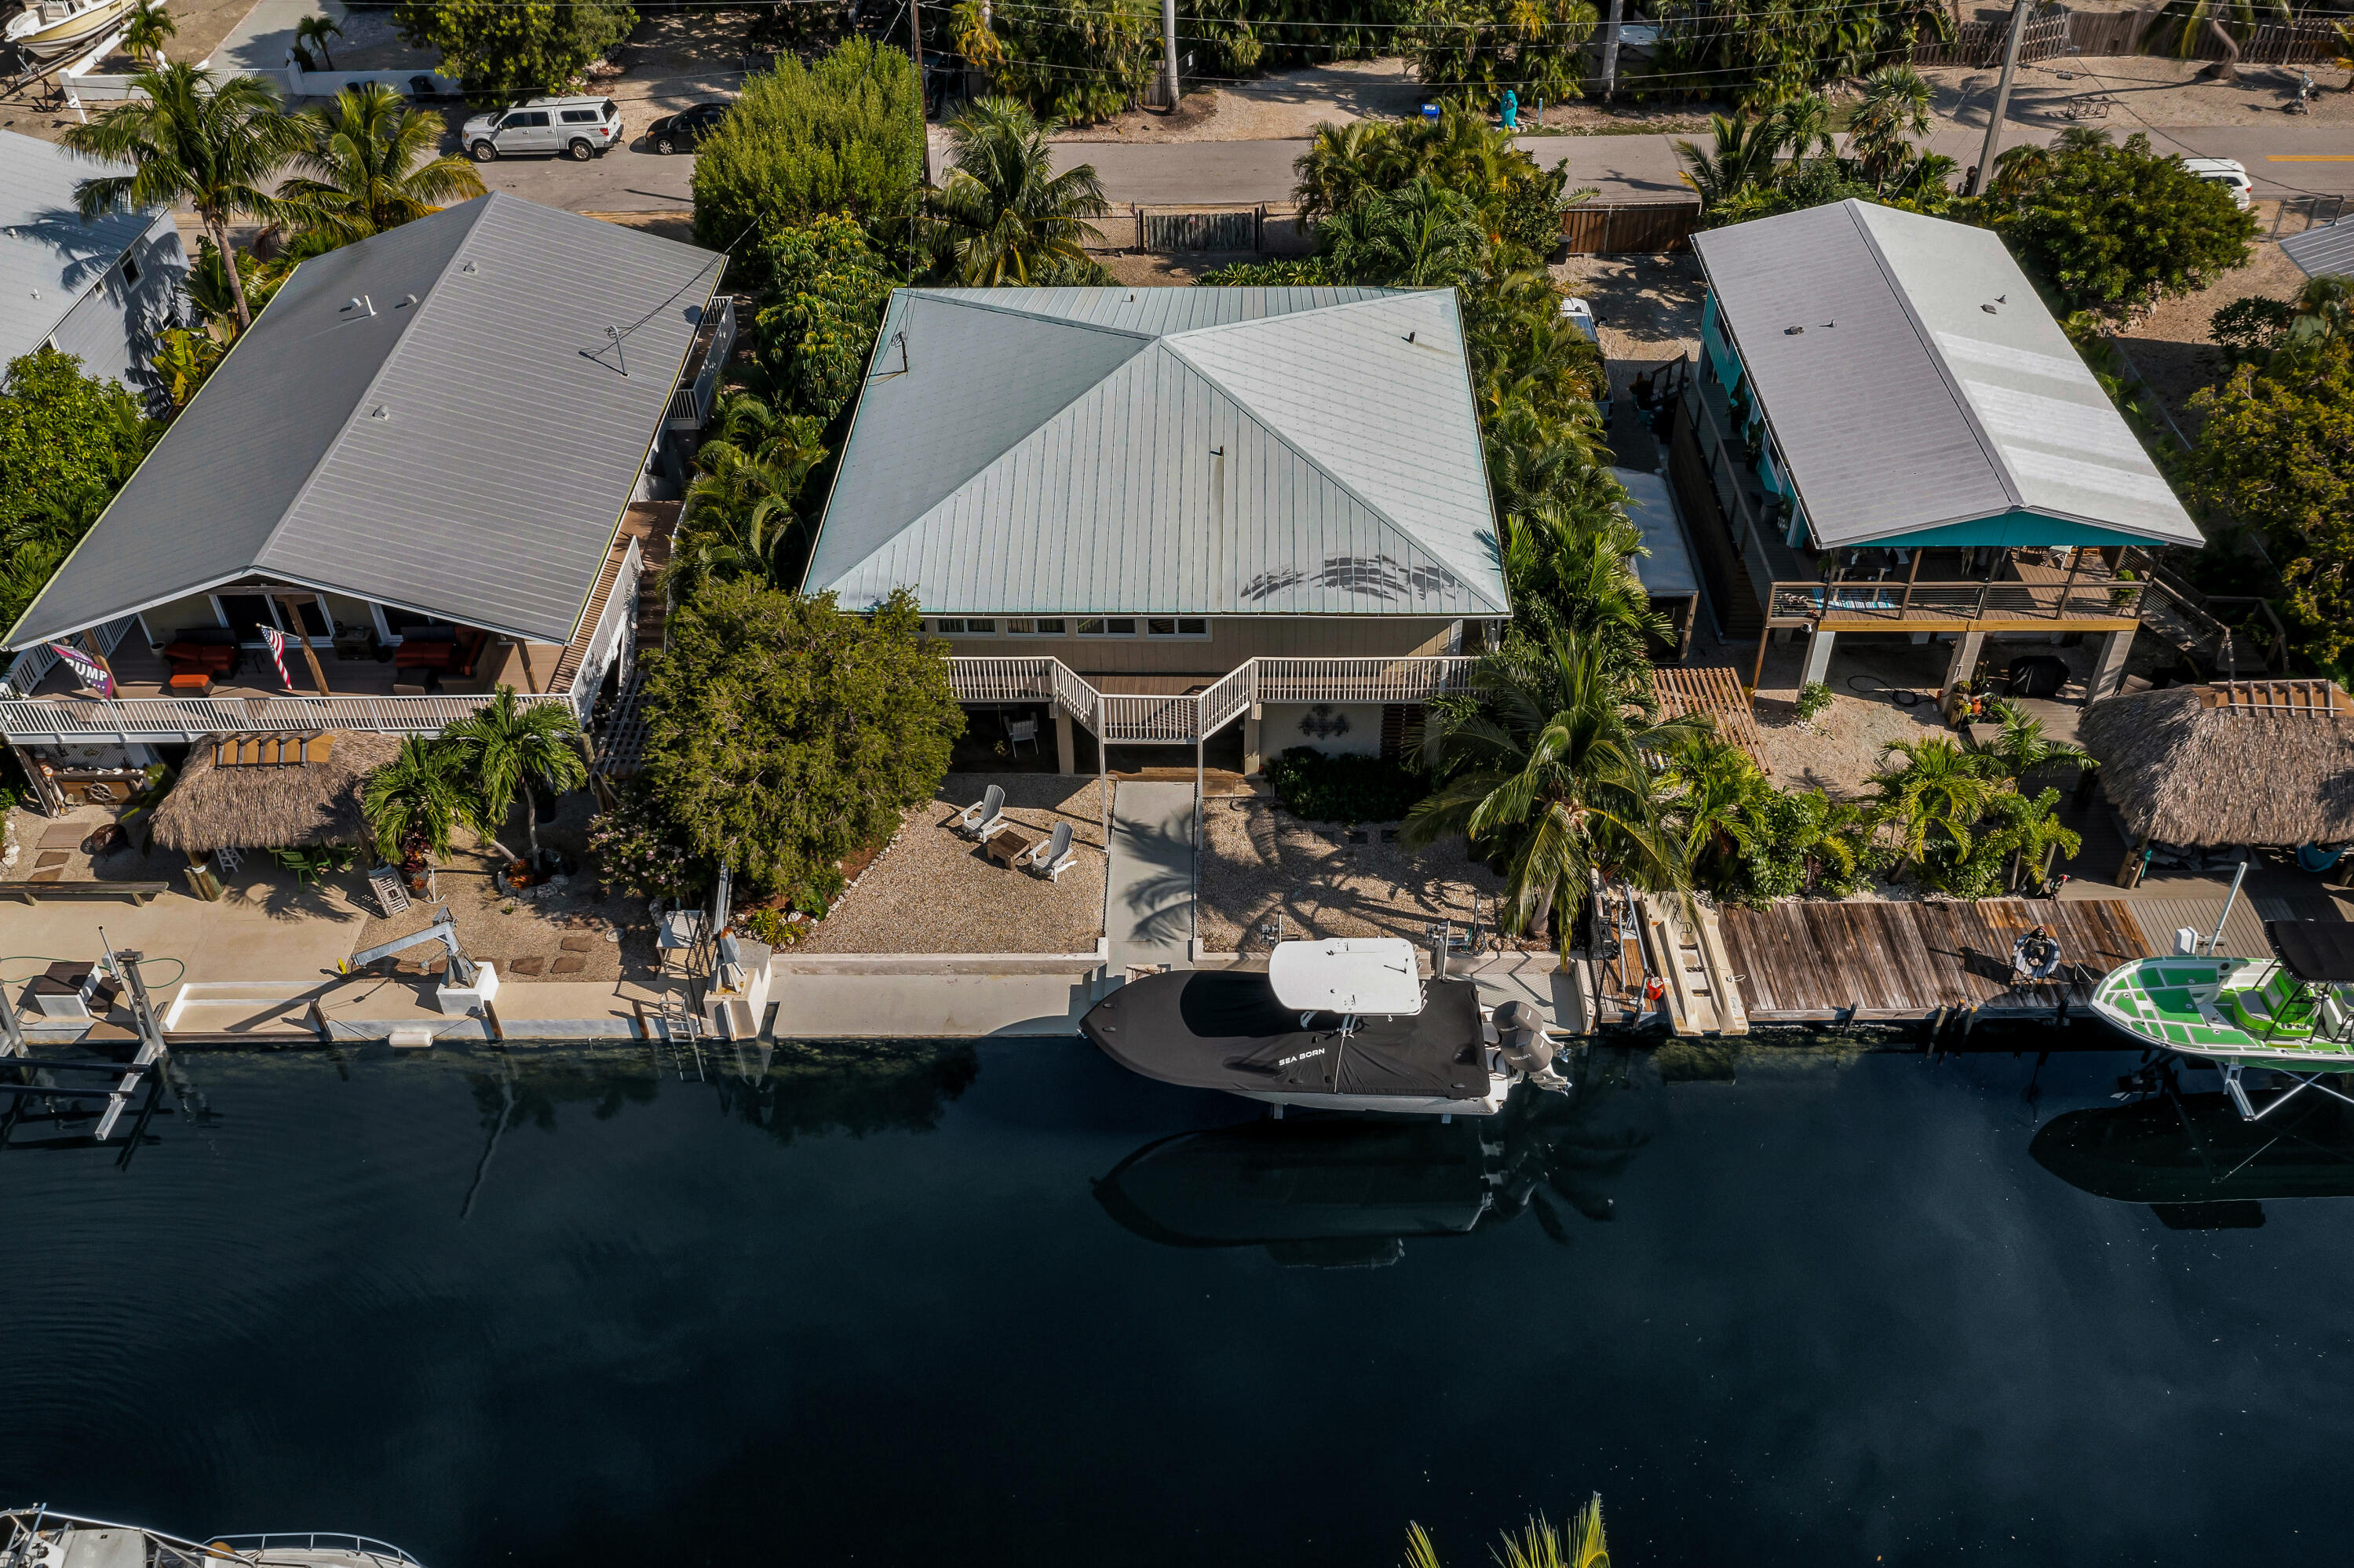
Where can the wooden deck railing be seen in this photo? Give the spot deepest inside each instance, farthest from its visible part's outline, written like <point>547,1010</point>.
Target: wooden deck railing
<point>1866,604</point>
<point>1183,718</point>
<point>175,719</point>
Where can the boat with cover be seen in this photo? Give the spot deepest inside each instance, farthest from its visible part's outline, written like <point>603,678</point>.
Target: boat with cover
<point>55,30</point>
<point>1347,1024</point>
<point>40,1537</point>
<point>2292,1012</point>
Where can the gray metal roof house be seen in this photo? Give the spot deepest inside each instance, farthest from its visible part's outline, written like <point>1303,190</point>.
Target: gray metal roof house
<point>100,291</point>
<point>1881,397</point>
<point>435,435</point>
<point>2322,250</point>
<point>1154,487</point>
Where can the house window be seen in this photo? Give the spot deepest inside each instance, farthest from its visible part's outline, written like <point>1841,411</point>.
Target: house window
<point>1176,626</point>
<point>966,626</point>
<point>1025,625</point>
<point>1107,626</point>
<point>130,272</point>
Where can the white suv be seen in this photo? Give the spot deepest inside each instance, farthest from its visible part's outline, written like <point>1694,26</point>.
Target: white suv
<point>581,127</point>
<point>2229,172</point>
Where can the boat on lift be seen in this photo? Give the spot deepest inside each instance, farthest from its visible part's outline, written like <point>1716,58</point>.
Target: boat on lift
<point>1345,1023</point>
<point>2292,1012</point>
<point>50,30</point>
<point>40,1537</point>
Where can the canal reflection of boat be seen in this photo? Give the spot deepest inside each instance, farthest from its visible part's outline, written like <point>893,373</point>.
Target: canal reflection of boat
<point>2196,1161</point>
<point>43,1538</point>
<point>1344,1192</point>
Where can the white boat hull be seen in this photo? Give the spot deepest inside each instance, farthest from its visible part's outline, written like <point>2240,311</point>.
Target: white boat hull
<point>43,41</point>
<point>1499,1088</point>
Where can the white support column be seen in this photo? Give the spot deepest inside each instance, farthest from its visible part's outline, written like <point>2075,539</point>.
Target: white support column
<point>1819,654</point>
<point>1065,753</point>
<point>1251,759</point>
<point>2109,669</point>
<point>1967,648</point>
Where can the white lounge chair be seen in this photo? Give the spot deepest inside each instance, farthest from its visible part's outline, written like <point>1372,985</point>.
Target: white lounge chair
<point>1019,731</point>
<point>984,816</point>
<point>1051,857</point>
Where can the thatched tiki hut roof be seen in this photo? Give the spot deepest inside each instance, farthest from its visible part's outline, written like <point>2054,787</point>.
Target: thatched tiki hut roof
<point>2248,762</point>
<point>290,791</point>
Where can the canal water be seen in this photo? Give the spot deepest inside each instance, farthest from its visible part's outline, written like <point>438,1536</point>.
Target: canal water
<point>1007,1303</point>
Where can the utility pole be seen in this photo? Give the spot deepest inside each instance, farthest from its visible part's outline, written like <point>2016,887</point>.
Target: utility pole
<point>2020,11</point>
<point>1168,49</point>
<point>1610,50</point>
<point>916,50</point>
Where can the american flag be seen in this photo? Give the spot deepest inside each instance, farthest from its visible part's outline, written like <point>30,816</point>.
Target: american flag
<point>91,672</point>
<point>276,640</point>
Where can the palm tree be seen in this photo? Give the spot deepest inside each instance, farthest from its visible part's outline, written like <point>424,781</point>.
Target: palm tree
<point>1571,570</point>
<point>1343,161</point>
<point>2020,746</point>
<point>1934,799</point>
<point>1803,124</point>
<point>413,802</point>
<point>1539,1544</point>
<point>1009,217</point>
<point>1712,809</point>
<point>1894,110</point>
<point>1741,155</point>
<point>216,147</point>
<point>1423,235</point>
<point>371,166</point>
<point>501,747</point>
<point>148,26</point>
<point>738,518</point>
<point>1547,767</point>
<point>315,30</point>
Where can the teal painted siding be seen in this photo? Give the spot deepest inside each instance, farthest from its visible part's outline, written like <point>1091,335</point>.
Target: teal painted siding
<point>2019,527</point>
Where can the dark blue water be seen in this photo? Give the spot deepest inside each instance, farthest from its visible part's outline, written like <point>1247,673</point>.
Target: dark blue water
<point>560,1308</point>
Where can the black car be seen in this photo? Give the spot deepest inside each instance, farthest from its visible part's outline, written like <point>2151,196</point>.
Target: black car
<point>679,132</point>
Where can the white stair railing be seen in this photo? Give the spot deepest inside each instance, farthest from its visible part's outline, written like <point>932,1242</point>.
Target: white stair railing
<point>1179,717</point>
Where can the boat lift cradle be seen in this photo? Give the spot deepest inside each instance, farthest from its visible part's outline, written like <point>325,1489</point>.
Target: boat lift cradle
<point>443,930</point>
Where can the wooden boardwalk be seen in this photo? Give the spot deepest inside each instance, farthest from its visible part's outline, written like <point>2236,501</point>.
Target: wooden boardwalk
<point>1811,962</point>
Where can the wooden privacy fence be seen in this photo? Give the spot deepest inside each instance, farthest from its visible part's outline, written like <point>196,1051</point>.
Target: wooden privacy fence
<point>1591,229</point>
<point>2055,30</point>
<point>1981,44</point>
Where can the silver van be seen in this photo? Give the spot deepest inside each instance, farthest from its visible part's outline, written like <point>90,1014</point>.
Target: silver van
<point>578,127</point>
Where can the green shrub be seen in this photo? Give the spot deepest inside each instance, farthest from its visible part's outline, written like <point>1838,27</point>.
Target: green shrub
<point>1343,788</point>
<point>843,136</point>
<point>1813,698</point>
<point>828,291</point>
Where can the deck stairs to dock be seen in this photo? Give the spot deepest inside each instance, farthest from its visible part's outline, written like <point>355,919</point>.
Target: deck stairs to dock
<point>1686,948</point>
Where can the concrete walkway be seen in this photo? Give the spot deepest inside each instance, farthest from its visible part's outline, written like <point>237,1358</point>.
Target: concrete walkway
<point>1150,917</point>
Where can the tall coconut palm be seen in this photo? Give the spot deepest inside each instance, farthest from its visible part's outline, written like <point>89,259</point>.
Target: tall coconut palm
<point>415,799</point>
<point>370,165</point>
<point>1009,217</point>
<point>1741,155</point>
<point>1546,767</point>
<point>503,747</point>
<point>312,32</point>
<point>1894,110</point>
<point>216,146</point>
<point>148,26</point>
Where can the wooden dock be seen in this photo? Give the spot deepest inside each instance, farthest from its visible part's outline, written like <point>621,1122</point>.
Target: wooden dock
<point>1864,962</point>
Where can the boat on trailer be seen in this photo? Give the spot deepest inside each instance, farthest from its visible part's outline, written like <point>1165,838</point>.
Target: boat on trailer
<point>1345,1023</point>
<point>2292,1013</point>
<point>51,30</point>
<point>40,1537</point>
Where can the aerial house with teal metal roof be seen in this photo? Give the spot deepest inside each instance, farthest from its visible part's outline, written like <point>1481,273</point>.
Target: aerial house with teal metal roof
<point>1886,432</point>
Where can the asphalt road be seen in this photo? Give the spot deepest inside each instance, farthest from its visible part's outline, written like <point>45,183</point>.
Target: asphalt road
<point>2285,159</point>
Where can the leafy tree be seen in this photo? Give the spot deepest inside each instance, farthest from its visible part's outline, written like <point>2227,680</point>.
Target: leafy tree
<point>182,361</point>
<point>2112,229</point>
<point>1076,61</point>
<point>215,145</point>
<point>2276,453</point>
<point>1469,52</point>
<point>786,733</point>
<point>312,32</point>
<point>2257,327</point>
<point>827,291</point>
<point>1543,769</point>
<point>845,136</point>
<point>413,803</point>
<point>1776,50</point>
<point>371,166</point>
<point>2250,327</point>
<point>501,747</point>
<point>1006,217</point>
<point>67,442</point>
<point>809,27</point>
<point>503,50</point>
<point>150,25</point>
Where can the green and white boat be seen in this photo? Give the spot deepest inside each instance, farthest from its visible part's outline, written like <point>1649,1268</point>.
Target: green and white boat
<point>2292,1012</point>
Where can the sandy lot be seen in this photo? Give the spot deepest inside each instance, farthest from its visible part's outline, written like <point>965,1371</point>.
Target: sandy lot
<point>1647,306</point>
<point>1260,860</point>
<point>933,891</point>
<point>2148,90</point>
<point>2171,347</point>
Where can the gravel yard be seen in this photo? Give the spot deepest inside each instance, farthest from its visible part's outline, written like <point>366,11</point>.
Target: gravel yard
<point>1258,860</point>
<point>933,891</point>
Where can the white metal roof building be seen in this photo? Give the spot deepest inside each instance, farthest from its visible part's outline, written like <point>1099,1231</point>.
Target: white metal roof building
<point>98,290</point>
<point>1201,452</point>
<point>1918,392</point>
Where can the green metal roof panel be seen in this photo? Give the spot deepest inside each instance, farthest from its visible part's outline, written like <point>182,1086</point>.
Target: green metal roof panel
<point>1181,451</point>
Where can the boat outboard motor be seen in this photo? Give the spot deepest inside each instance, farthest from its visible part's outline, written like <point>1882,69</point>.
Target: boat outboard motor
<point>1524,1047</point>
<point>2035,955</point>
